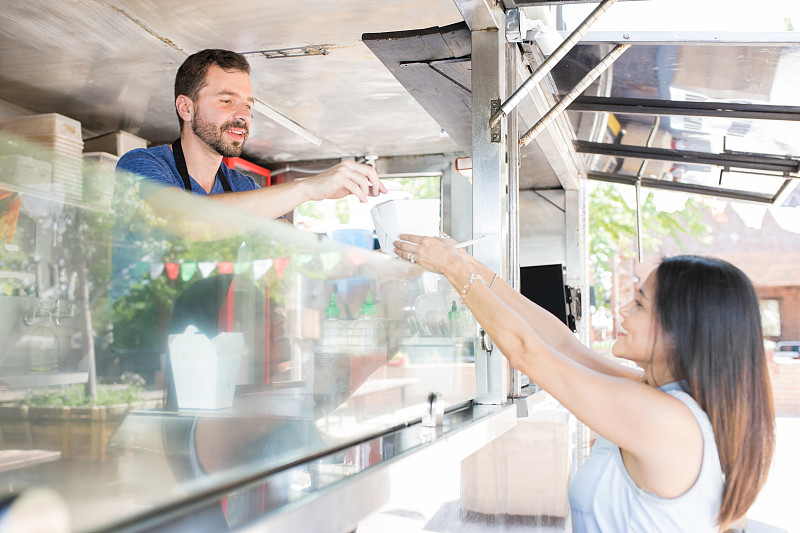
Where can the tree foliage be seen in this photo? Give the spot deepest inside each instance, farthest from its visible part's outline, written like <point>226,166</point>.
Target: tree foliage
<point>612,231</point>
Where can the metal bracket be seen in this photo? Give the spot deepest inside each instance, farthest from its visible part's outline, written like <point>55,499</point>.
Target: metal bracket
<point>300,51</point>
<point>495,132</point>
<point>518,25</point>
<point>486,341</point>
<point>434,414</point>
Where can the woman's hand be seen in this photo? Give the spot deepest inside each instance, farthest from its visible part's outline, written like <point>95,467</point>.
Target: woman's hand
<point>435,254</point>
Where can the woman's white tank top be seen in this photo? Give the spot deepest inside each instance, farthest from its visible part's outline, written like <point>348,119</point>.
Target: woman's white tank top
<point>604,498</point>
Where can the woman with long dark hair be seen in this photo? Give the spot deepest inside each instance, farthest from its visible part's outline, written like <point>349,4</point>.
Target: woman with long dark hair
<point>685,441</point>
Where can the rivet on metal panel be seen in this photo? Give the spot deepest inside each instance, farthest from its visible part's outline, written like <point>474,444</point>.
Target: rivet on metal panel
<point>496,135</point>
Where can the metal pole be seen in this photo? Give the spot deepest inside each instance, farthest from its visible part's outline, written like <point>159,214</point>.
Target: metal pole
<point>548,64</point>
<point>573,94</point>
<point>639,174</point>
<point>512,143</point>
<point>489,196</point>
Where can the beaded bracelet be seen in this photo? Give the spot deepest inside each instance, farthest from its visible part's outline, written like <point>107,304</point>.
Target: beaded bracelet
<point>469,283</point>
<point>493,280</point>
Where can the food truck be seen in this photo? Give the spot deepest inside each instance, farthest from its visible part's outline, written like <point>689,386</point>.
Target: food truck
<point>266,376</point>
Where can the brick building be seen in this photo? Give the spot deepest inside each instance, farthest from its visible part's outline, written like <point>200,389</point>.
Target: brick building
<point>770,256</point>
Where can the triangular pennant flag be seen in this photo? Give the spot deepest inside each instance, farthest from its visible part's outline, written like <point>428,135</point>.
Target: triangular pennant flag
<point>172,270</point>
<point>156,269</point>
<point>356,256</point>
<point>188,270</point>
<point>280,265</point>
<point>206,267</point>
<point>141,270</point>
<point>751,214</point>
<point>330,260</point>
<point>302,259</point>
<point>788,218</point>
<point>225,267</point>
<point>260,267</point>
<point>241,267</point>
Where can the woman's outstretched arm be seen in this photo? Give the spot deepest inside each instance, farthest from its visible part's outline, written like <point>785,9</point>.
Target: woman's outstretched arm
<point>552,331</point>
<point>660,438</point>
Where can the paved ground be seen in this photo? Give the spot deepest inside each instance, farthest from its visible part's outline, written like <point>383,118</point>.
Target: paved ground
<point>779,502</point>
<point>777,509</point>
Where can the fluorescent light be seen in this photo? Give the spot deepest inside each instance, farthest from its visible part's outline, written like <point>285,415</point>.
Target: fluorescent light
<point>286,122</point>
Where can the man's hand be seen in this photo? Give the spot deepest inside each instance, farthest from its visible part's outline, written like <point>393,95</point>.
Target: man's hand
<point>347,177</point>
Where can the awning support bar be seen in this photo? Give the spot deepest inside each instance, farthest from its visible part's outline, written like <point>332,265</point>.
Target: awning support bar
<point>573,94</point>
<point>727,160</point>
<point>639,235</point>
<point>690,188</point>
<point>548,64</point>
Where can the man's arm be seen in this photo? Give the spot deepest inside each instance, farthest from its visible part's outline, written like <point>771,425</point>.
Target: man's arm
<point>339,181</point>
<point>162,189</point>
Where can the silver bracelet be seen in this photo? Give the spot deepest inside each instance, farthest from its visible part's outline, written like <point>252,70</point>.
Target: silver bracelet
<point>493,280</point>
<point>469,283</point>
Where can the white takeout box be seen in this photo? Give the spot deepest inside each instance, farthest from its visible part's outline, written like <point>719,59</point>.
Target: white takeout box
<point>393,217</point>
<point>205,370</point>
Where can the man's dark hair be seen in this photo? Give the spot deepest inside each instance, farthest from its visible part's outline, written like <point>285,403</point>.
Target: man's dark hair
<point>192,73</point>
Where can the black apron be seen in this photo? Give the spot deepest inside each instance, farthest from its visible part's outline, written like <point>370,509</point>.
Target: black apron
<point>180,163</point>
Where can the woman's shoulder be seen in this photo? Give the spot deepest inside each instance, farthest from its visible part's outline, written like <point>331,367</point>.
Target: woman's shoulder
<point>680,391</point>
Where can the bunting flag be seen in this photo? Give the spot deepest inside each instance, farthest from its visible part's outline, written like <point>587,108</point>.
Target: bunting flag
<point>206,267</point>
<point>188,270</point>
<point>141,270</point>
<point>156,269</point>
<point>240,267</point>
<point>717,207</point>
<point>669,201</point>
<point>788,218</point>
<point>356,256</point>
<point>330,260</point>
<point>261,267</point>
<point>280,264</point>
<point>302,259</point>
<point>628,195</point>
<point>751,214</point>
<point>172,270</point>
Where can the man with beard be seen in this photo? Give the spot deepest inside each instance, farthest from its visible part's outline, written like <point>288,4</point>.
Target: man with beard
<point>214,101</point>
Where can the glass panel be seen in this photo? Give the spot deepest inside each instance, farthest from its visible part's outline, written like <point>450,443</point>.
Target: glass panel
<point>221,345</point>
<point>689,15</point>
<point>758,75</point>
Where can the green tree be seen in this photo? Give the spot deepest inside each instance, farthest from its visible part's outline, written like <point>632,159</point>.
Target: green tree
<point>612,231</point>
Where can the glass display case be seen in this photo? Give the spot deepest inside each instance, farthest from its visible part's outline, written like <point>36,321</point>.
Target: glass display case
<point>150,354</point>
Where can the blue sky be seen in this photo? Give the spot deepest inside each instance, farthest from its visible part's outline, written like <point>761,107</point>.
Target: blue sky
<point>692,15</point>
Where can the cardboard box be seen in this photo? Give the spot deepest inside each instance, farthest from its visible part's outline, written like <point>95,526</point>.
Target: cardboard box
<point>205,370</point>
<point>117,143</point>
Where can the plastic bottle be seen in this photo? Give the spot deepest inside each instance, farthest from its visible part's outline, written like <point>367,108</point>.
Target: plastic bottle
<point>454,317</point>
<point>332,358</point>
<point>367,344</point>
